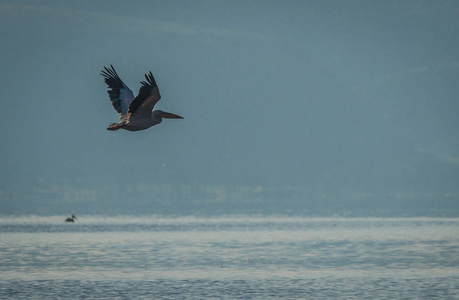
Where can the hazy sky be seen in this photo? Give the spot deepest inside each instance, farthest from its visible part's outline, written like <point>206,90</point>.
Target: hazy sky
<point>360,94</point>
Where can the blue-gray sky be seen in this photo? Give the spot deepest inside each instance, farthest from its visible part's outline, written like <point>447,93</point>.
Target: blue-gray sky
<point>356,94</point>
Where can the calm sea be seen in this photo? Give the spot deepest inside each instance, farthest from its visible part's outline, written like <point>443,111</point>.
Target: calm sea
<point>229,258</point>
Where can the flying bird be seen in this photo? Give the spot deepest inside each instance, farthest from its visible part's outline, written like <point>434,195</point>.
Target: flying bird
<point>135,113</point>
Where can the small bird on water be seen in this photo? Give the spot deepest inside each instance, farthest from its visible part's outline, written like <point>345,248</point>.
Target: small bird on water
<point>71,219</point>
<point>135,113</point>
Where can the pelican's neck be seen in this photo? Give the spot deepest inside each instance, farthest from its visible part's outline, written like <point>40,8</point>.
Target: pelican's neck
<point>155,117</point>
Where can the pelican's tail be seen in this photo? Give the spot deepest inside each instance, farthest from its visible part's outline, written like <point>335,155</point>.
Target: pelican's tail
<point>115,126</point>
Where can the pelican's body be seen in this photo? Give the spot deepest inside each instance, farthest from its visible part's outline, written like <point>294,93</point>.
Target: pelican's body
<point>135,113</point>
<point>144,123</point>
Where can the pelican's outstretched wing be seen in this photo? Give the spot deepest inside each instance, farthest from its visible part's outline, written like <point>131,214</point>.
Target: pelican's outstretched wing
<point>148,96</point>
<point>120,95</point>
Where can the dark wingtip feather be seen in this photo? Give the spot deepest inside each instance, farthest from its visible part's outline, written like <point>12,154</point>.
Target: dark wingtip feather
<point>150,80</point>
<point>107,72</point>
<point>114,71</point>
<point>114,83</point>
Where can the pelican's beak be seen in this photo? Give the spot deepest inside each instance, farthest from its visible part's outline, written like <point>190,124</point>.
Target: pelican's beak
<point>167,115</point>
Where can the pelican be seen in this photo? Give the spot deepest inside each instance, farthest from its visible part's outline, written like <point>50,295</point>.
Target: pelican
<point>71,219</point>
<point>135,113</point>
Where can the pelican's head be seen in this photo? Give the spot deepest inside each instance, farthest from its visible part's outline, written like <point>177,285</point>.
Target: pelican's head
<point>73,217</point>
<point>166,115</point>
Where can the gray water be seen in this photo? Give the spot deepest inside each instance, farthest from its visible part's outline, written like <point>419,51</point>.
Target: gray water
<point>234,257</point>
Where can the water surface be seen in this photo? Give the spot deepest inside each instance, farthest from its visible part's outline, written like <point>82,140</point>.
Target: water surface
<point>235,257</point>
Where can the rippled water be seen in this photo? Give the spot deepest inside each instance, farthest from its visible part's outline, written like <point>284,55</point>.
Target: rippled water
<point>229,258</point>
